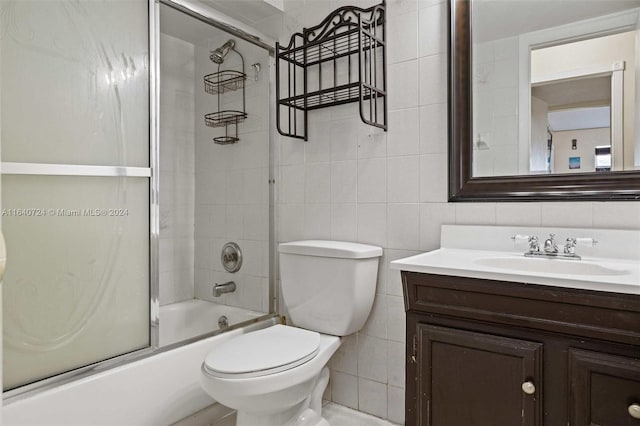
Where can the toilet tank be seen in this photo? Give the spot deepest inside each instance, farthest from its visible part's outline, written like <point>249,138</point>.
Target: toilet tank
<point>328,286</point>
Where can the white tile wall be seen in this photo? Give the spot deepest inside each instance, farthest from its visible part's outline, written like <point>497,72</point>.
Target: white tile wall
<point>402,183</point>
<point>344,389</point>
<point>344,220</point>
<point>403,126</point>
<point>403,220</point>
<point>390,189</point>
<point>176,170</point>
<point>403,43</point>
<point>403,82</point>
<point>372,397</point>
<point>344,181</point>
<point>372,180</point>
<point>232,190</point>
<point>433,129</point>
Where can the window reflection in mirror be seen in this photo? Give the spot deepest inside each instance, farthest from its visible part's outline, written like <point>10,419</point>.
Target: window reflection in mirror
<point>554,92</point>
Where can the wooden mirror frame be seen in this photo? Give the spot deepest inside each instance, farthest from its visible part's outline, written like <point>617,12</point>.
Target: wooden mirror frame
<point>600,186</point>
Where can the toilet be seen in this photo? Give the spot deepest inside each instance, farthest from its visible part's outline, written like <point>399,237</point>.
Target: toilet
<point>276,376</point>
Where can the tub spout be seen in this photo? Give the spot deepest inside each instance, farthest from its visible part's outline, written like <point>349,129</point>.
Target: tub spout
<point>219,289</point>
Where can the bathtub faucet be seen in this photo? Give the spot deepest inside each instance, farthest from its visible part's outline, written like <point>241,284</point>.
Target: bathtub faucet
<point>219,289</point>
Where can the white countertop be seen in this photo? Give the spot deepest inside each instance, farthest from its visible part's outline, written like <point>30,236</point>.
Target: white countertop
<point>463,263</point>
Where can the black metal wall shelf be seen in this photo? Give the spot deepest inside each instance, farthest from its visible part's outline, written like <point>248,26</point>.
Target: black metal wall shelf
<point>332,96</point>
<point>341,60</point>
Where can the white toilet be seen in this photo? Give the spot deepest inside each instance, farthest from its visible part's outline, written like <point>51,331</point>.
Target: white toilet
<point>276,376</point>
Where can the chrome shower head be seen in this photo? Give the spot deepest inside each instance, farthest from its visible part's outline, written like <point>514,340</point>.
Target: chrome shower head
<point>218,55</point>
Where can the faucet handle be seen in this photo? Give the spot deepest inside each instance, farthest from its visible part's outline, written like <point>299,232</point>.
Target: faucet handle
<point>571,243</point>
<point>532,240</point>
<point>534,244</point>
<point>570,246</point>
<point>586,242</point>
<point>520,238</point>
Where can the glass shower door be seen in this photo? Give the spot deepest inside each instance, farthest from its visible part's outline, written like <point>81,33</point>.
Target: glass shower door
<point>75,152</point>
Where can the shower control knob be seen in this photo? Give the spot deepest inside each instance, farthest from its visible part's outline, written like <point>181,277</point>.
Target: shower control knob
<point>231,257</point>
<point>529,388</point>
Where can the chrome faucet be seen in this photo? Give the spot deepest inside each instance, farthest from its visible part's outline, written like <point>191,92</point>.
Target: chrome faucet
<point>550,249</point>
<point>219,289</point>
<point>550,246</point>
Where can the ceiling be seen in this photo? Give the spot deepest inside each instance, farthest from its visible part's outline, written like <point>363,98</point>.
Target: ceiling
<point>581,91</point>
<point>579,119</point>
<point>180,25</point>
<point>580,103</point>
<point>247,11</point>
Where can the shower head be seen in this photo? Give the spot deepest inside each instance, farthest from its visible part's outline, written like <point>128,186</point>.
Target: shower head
<point>217,56</point>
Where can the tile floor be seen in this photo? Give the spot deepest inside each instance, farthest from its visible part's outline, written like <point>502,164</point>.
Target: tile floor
<point>336,415</point>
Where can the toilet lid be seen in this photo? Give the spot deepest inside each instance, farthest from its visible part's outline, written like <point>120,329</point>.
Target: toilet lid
<point>263,352</point>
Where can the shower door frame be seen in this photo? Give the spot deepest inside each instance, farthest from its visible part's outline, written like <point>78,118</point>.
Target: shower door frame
<point>224,23</point>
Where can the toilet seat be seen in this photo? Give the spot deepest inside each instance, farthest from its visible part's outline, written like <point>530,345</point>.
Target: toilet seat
<point>263,352</point>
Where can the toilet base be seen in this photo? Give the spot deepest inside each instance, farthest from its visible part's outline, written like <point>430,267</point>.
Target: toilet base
<point>306,413</point>
<point>307,417</point>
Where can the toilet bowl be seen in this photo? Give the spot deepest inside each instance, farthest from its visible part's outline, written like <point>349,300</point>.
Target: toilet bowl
<point>276,376</point>
<point>271,383</point>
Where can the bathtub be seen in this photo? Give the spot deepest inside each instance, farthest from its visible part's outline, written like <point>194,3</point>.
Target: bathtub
<point>160,389</point>
<point>184,320</point>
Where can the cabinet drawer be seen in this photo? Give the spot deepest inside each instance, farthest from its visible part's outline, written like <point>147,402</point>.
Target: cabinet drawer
<point>602,389</point>
<point>590,314</point>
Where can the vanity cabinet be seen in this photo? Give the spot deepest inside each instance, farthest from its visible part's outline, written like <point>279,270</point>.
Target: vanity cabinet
<point>483,352</point>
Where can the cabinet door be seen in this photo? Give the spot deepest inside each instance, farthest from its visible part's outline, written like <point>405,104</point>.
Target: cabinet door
<point>604,389</point>
<point>475,379</point>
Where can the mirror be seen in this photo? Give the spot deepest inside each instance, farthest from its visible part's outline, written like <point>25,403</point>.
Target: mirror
<point>543,100</point>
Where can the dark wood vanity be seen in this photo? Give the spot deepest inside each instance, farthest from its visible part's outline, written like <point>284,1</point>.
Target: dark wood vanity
<point>494,353</point>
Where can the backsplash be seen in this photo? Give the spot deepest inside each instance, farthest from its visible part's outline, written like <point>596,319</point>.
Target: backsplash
<point>351,182</point>
<point>607,243</point>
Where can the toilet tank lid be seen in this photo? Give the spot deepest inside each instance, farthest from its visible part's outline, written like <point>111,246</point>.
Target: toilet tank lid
<point>325,248</point>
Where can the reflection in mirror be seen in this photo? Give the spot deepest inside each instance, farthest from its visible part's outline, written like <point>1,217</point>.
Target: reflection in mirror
<point>560,118</point>
<point>490,103</point>
<point>554,87</point>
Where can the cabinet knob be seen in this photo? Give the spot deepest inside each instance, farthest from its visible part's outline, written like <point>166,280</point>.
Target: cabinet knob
<point>634,410</point>
<point>529,388</point>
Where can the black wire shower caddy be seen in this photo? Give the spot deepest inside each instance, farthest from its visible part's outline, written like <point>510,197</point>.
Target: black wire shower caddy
<point>224,81</point>
<point>218,83</point>
<point>339,61</point>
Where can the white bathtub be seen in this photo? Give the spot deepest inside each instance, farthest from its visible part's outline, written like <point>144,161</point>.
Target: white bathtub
<point>183,320</point>
<point>158,390</point>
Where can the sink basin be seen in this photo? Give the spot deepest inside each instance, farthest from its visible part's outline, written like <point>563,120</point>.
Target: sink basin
<point>551,266</point>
